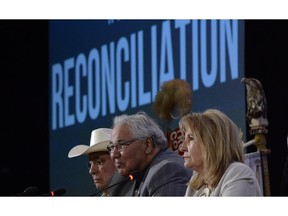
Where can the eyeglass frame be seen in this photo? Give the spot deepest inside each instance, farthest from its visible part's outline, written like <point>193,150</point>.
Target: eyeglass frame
<point>123,145</point>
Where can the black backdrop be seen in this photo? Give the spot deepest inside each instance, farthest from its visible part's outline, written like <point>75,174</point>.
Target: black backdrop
<point>24,96</point>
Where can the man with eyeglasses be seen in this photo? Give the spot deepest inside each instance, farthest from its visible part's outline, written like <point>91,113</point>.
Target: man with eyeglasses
<point>139,145</point>
<point>101,167</point>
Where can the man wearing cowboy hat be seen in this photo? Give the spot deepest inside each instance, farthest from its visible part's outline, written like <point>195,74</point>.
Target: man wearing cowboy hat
<point>101,167</point>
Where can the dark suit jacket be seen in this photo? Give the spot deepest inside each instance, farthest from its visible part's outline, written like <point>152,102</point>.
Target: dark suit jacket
<point>121,185</point>
<point>165,176</point>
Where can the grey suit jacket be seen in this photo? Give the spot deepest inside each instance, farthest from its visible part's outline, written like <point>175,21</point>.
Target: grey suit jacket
<point>165,176</point>
<point>121,185</point>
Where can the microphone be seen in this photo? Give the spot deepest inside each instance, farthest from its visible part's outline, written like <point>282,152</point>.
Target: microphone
<point>58,192</point>
<point>134,176</point>
<point>30,191</point>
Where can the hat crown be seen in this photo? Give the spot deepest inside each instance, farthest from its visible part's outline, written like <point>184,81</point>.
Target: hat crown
<point>100,135</point>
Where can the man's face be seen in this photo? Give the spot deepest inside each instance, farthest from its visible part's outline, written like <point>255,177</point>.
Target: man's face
<point>101,169</point>
<point>129,153</point>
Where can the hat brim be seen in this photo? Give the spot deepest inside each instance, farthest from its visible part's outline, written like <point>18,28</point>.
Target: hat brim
<point>84,149</point>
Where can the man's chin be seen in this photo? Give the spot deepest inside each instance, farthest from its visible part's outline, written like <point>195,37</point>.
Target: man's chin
<point>123,172</point>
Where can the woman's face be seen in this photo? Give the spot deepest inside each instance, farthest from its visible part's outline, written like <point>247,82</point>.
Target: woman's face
<point>192,153</point>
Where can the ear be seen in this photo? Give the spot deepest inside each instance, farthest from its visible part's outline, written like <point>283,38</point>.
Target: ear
<point>149,145</point>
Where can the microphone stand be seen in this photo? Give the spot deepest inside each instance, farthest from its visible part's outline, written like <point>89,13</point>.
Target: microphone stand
<point>134,176</point>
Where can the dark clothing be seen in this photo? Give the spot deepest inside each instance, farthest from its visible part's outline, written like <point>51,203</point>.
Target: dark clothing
<point>284,180</point>
<point>125,188</point>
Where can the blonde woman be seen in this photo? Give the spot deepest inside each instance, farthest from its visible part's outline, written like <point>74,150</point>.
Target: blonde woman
<point>213,149</point>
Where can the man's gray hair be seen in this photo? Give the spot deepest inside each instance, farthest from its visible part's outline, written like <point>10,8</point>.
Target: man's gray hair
<point>141,125</point>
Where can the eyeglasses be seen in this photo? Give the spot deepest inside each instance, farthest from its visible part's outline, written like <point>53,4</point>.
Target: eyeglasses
<point>120,146</point>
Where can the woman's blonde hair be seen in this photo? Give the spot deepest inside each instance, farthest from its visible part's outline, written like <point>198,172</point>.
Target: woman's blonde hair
<point>220,142</point>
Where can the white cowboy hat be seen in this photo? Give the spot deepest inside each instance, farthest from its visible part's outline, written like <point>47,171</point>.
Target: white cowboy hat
<point>99,140</point>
